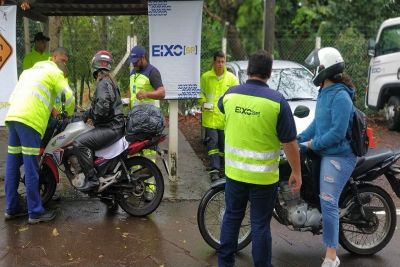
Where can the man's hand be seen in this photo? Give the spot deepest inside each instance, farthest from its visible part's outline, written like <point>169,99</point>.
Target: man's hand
<point>295,182</point>
<point>141,95</point>
<point>54,113</point>
<point>291,150</point>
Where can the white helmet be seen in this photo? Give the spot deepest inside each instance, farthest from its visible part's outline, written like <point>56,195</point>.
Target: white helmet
<point>327,62</point>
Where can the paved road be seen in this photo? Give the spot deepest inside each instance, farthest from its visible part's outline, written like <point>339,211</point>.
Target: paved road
<point>85,233</point>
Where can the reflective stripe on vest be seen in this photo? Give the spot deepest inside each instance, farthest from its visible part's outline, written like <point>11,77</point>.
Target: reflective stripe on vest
<point>251,154</point>
<point>252,167</point>
<point>41,98</point>
<point>252,161</point>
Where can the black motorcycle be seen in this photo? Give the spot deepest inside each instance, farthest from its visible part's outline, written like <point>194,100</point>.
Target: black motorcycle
<point>367,212</point>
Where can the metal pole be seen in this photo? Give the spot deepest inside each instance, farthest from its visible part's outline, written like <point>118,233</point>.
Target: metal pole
<point>318,42</point>
<point>27,36</point>
<point>224,42</point>
<point>173,140</point>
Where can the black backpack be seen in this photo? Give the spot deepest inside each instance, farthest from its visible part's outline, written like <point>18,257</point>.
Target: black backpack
<point>357,135</point>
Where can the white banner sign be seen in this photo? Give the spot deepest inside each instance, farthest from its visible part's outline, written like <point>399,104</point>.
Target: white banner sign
<point>175,41</point>
<point>8,57</point>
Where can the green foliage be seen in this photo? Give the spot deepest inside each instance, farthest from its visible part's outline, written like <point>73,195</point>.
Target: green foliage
<point>352,46</point>
<point>250,24</point>
<point>210,41</point>
<point>84,36</point>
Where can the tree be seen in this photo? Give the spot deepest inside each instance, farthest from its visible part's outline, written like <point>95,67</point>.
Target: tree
<point>269,25</point>
<point>226,12</point>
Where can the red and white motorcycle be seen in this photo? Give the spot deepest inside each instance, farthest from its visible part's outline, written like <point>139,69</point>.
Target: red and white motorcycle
<point>123,175</point>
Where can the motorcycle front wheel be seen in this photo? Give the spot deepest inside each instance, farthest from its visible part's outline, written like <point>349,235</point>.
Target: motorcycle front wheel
<point>366,235</point>
<point>148,187</point>
<point>209,219</point>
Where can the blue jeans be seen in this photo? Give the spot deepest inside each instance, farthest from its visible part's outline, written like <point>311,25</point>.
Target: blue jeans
<point>335,172</point>
<point>262,202</point>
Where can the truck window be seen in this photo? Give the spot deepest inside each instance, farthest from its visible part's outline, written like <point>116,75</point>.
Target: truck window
<point>389,41</point>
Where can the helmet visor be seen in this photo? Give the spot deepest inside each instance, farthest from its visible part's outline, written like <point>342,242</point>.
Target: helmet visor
<point>312,61</point>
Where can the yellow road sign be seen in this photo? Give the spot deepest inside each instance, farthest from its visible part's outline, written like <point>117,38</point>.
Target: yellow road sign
<point>5,51</point>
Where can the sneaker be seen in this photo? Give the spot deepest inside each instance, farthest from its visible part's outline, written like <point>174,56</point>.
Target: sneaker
<point>331,263</point>
<point>15,215</point>
<point>45,217</point>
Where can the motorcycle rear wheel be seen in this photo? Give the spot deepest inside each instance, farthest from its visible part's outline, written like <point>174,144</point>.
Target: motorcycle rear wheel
<point>209,219</point>
<point>382,218</point>
<point>150,176</point>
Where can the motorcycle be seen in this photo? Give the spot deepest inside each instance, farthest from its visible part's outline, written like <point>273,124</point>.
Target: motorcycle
<point>124,174</point>
<point>367,212</point>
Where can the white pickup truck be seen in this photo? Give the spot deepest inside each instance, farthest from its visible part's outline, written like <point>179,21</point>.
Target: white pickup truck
<point>383,91</point>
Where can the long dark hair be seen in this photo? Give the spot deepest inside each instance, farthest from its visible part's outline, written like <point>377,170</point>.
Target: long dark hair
<point>102,73</point>
<point>343,78</point>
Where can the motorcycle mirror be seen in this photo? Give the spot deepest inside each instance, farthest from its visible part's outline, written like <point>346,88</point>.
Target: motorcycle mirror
<point>301,111</point>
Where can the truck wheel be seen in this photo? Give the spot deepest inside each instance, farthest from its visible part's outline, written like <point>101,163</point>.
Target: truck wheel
<point>392,113</point>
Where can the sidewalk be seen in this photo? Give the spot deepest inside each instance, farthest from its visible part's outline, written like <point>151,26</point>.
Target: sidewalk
<point>192,180</point>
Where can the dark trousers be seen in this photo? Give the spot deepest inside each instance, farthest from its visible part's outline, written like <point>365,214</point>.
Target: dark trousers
<point>262,202</point>
<point>215,147</point>
<point>97,138</point>
<point>23,148</point>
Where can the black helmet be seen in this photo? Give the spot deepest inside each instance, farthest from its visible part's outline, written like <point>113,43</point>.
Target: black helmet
<point>102,60</point>
<point>327,62</point>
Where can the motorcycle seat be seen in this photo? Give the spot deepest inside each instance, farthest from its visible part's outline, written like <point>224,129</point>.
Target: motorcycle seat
<point>372,158</point>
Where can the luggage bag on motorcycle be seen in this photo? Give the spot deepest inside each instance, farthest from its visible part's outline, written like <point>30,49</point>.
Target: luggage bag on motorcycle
<point>143,122</point>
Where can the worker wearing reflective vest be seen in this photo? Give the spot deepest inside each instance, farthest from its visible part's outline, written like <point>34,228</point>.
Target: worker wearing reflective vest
<point>59,55</point>
<point>257,120</point>
<point>38,52</point>
<point>213,84</point>
<point>146,87</point>
<point>31,103</point>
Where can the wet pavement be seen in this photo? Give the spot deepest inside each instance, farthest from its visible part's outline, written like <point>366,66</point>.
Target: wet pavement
<point>86,233</point>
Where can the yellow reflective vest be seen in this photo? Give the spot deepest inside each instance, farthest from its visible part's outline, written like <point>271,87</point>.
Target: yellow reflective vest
<point>33,97</point>
<point>212,88</point>
<point>33,57</point>
<point>252,147</point>
<point>139,81</point>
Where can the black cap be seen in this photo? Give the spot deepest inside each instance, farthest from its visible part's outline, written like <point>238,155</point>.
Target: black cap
<point>40,37</point>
